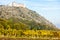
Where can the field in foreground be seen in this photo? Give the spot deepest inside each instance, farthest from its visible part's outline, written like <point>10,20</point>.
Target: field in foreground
<point>29,35</point>
<point>29,38</point>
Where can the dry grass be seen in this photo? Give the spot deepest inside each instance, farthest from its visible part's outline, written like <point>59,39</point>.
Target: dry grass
<point>29,39</point>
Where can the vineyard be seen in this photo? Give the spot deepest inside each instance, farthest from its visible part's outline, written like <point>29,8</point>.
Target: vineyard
<point>19,30</point>
<point>29,33</point>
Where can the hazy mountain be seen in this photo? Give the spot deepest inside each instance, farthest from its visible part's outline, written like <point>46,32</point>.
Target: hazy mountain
<point>25,16</point>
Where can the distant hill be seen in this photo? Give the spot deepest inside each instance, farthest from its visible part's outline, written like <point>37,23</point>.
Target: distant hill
<point>23,18</point>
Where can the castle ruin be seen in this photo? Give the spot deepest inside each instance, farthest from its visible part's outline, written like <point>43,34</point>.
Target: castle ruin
<point>16,4</point>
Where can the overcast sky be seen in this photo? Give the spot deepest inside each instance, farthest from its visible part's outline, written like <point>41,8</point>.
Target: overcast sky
<point>50,9</point>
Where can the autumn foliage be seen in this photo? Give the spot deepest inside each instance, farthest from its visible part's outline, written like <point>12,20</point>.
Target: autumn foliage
<point>10,28</point>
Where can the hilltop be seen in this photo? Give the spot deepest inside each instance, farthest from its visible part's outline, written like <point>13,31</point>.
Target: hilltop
<point>23,18</point>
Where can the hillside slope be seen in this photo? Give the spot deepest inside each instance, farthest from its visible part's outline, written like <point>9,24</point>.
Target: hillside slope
<point>17,16</point>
